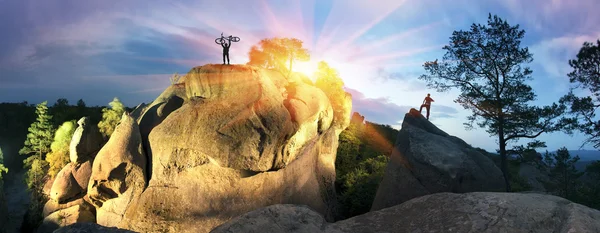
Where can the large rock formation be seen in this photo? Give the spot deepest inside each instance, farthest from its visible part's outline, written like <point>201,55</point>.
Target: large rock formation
<point>118,173</point>
<point>67,204</point>
<point>427,160</point>
<point>441,212</point>
<point>225,141</point>
<point>86,142</point>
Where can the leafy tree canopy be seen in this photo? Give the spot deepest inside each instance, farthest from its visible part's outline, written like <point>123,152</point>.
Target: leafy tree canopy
<point>486,64</point>
<point>278,54</point>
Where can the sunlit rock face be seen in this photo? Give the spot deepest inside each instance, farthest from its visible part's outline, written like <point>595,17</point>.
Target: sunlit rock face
<point>427,160</point>
<point>442,212</point>
<point>118,173</point>
<point>228,140</point>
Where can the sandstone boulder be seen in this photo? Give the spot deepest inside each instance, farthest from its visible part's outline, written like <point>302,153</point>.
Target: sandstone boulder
<point>441,212</point>
<point>65,217</point>
<point>86,141</point>
<point>427,160</point>
<point>65,186</point>
<point>71,182</point>
<point>52,206</point>
<point>118,173</point>
<point>242,139</point>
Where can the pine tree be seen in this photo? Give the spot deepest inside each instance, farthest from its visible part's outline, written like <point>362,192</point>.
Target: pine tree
<point>111,117</point>
<point>562,171</point>
<point>41,134</point>
<point>37,145</point>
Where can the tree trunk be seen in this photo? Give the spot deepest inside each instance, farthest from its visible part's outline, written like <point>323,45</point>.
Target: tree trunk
<point>503,156</point>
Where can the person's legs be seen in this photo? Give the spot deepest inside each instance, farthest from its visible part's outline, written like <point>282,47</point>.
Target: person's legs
<point>421,109</point>
<point>223,59</point>
<point>428,107</point>
<point>227,58</point>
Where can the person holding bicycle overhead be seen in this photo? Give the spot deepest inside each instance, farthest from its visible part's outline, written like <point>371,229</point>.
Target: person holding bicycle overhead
<point>226,44</point>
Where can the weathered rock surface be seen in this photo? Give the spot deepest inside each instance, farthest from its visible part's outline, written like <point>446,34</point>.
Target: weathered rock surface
<point>90,228</point>
<point>441,212</point>
<point>427,160</point>
<point>118,173</point>
<point>242,139</point>
<point>86,141</point>
<point>65,217</point>
<point>65,187</point>
<point>52,206</point>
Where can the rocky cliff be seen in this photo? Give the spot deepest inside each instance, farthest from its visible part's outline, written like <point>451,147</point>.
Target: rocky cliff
<point>427,160</point>
<point>224,141</point>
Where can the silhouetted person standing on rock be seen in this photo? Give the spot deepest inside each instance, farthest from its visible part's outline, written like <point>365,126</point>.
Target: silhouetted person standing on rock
<point>226,45</point>
<point>427,104</point>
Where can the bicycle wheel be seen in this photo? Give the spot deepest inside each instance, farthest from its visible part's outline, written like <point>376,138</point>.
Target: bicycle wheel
<point>220,40</point>
<point>235,39</point>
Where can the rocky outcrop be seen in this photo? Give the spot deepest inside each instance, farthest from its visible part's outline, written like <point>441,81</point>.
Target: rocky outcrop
<point>228,140</point>
<point>441,212</point>
<point>427,160</point>
<point>86,142</point>
<point>118,173</point>
<point>67,204</point>
<point>68,216</point>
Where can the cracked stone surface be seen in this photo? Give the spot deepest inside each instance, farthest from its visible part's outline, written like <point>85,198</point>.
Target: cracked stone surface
<point>441,212</point>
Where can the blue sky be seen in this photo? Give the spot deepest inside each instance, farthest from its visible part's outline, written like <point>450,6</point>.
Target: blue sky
<point>96,50</point>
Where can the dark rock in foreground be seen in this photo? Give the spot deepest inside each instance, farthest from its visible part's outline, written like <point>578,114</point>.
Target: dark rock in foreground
<point>441,212</point>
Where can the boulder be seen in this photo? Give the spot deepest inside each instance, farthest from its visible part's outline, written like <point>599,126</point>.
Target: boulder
<point>52,206</point>
<point>427,160</point>
<point>86,141</point>
<point>71,182</point>
<point>241,140</point>
<point>82,173</point>
<point>65,186</point>
<point>90,228</point>
<point>118,173</point>
<point>65,217</point>
<point>441,212</point>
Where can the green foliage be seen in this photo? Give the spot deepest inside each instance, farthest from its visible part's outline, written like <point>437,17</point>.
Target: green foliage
<point>590,192</point>
<point>586,76</point>
<point>360,166</point>
<point>563,174</point>
<point>111,117</point>
<point>485,65</point>
<point>278,54</point>
<point>40,135</point>
<point>328,79</point>
<point>3,169</point>
<point>59,156</point>
<point>361,185</point>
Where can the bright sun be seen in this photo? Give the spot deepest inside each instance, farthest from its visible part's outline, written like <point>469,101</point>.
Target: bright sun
<point>307,68</point>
